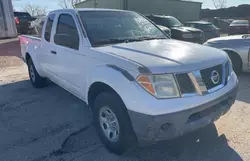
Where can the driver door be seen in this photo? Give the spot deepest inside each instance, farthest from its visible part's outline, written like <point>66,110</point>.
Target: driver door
<point>70,62</point>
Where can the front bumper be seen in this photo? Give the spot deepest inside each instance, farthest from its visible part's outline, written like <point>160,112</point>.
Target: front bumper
<point>152,128</point>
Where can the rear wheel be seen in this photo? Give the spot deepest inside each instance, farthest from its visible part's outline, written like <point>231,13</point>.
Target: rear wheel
<point>113,123</point>
<point>36,80</point>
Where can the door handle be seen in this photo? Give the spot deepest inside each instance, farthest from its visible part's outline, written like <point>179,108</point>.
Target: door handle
<point>53,52</point>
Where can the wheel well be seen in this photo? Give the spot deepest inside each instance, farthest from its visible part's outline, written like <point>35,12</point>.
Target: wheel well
<point>27,57</point>
<point>97,88</point>
<point>235,55</point>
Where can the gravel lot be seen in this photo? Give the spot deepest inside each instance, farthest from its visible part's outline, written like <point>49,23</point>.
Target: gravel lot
<point>52,125</point>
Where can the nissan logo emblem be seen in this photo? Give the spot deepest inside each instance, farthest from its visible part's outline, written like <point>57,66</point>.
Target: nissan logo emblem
<point>215,77</point>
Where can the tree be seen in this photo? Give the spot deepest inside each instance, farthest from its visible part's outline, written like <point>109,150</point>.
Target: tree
<point>65,4</point>
<point>35,10</point>
<point>219,4</point>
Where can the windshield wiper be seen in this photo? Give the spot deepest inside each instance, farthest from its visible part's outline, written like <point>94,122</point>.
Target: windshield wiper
<point>116,41</point>
<point>145,38</point>
<point>110,41</point>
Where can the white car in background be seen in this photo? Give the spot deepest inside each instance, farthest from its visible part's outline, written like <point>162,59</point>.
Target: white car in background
<point>238,49</point>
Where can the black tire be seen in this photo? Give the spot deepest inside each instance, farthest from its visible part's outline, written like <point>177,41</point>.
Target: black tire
<point>236,61</point>
<point>127,138</point>
<point>36,80</point>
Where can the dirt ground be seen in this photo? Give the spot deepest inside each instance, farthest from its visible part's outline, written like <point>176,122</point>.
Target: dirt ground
<point>50,124</point>
<point>9,53</point>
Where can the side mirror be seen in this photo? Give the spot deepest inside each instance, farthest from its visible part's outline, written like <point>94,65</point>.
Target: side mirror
<point>67,41</point>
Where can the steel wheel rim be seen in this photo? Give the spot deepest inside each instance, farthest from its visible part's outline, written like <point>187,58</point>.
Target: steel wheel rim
<point>109,124</point>
<point>32,73</point>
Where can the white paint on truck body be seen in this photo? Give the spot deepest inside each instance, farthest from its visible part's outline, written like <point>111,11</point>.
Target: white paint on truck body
<point>119,66</point>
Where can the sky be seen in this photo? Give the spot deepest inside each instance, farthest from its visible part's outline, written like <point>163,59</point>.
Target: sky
<point>53,4</point>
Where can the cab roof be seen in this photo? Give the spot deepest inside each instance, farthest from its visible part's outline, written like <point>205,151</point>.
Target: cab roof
<point>87,9</point>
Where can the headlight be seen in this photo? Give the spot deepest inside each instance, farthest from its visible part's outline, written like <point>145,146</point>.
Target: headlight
<point>187,35</point>
<point>160,86</point>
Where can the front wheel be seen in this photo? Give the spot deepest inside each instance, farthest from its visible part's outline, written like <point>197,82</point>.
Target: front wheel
<point>113,123</point>
<point>36,80</point>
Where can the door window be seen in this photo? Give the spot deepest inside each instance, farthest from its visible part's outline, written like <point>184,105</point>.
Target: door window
<point>66,32</point>
<point>48,27</point>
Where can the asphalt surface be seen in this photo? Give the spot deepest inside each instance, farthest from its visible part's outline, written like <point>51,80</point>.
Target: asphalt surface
<point>50,124</point>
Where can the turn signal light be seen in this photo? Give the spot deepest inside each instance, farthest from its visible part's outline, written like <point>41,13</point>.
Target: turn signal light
<point>144,81</point>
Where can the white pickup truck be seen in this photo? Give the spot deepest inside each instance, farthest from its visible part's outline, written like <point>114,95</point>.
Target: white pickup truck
<point>141,85</point>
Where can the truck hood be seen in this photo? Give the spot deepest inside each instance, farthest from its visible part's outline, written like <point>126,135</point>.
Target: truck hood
<point>186,29</point>
<point>167,56</point>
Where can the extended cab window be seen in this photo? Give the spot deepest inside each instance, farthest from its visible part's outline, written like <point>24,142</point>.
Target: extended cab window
<point>48,27</point>
<point>66,32</point>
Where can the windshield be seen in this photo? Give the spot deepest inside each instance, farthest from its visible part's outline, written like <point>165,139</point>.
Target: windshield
<point>106,27</point>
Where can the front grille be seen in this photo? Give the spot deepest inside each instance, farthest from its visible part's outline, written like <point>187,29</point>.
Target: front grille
<point>203,81</point>
<point>207,74</point>
<point>185,83</point>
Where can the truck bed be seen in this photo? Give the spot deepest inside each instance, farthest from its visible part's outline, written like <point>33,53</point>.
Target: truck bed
<point>31,41</point>
<point>33,37</point>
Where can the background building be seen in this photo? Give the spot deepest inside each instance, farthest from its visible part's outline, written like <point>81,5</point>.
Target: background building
<point>7,22</point>
<point>183,10</point>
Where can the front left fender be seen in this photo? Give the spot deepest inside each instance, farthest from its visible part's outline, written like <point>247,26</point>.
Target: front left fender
<point>118,79</point>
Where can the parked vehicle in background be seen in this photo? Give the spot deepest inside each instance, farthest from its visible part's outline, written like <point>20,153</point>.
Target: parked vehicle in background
<point>140,84</point>
<point>178,30</point>
<point>165,29</point>
<point>209,29</point>
<point>239,27</point>
<point>23,20</point>
<point>37,25</point>
<point>237,48</point>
